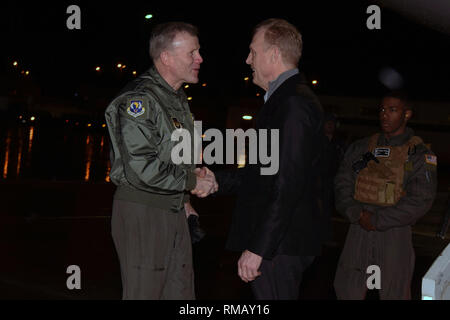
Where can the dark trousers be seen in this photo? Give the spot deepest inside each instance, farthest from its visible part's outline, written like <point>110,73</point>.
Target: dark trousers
<point>155,254</point>
<point>280,277</point>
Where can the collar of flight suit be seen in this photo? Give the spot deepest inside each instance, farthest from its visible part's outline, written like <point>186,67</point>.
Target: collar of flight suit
<point>163,83</point>
<point>399,140</point>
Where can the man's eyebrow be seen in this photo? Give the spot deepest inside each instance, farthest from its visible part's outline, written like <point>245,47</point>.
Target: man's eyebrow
<point>384,107</point>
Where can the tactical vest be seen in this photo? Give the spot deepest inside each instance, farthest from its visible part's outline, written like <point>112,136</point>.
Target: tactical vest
<point>382,183</point>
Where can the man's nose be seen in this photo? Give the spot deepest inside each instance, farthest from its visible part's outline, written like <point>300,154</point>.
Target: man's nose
<point>248,60</point>
<point>199,59</point>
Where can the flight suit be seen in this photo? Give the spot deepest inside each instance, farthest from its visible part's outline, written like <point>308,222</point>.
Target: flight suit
<point>394,209</point>
<point>149,226</point>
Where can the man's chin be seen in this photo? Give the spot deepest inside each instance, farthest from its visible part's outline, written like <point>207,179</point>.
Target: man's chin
<point>193,80</point>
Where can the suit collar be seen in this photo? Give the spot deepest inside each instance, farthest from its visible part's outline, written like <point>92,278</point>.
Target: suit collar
<point>288,83</point>
<point>273,85</point>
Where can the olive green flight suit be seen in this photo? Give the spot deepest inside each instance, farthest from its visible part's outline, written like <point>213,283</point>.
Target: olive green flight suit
<point>149,226</point>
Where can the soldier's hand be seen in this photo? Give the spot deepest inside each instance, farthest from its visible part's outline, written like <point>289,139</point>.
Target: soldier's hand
<point>189,209</point>
<point>206,182</point>
<point>364,221</point>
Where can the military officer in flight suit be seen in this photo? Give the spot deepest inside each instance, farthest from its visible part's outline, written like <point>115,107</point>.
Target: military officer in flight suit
<point>149,226</point>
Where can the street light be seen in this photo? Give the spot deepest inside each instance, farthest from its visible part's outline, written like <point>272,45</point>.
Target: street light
<point>189,98</point>
<point>15,63</point>
<point>97,69</point>
<point>148,16</point>
<point>246,78</point>
<point>33,118</point>
<point>247,117</point>
<point>314,82</point>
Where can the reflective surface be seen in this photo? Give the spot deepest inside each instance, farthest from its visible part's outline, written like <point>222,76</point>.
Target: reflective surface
<point>54,153</point>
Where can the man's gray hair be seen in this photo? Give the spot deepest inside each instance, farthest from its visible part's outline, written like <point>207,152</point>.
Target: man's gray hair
<point>163,35</point>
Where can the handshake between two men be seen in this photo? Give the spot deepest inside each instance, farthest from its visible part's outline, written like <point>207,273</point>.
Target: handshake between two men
<point>206,183</point>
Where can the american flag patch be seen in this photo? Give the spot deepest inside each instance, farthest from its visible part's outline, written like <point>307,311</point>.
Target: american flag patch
<point>430,159</point>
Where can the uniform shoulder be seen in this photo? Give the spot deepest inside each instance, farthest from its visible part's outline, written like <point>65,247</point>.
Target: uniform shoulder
<point>358,144</point>
<point>422,148</point>
<point>135,103</point>
<point>423,154</point>
<point>356,149</point>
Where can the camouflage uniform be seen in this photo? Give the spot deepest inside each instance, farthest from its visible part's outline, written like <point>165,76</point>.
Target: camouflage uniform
<point>390,246</point>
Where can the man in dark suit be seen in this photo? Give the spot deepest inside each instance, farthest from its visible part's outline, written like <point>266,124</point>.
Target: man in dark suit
<point>277,223</point>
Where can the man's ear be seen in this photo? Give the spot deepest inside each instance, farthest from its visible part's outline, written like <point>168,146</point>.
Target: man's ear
<point>165,58</point>
<point>408,114</point>
<point>275,54</point>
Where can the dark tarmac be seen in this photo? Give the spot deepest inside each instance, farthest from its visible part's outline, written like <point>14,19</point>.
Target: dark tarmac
<point>47,226</point>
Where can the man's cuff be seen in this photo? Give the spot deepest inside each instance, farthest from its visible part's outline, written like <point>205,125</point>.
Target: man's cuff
<point>191,181</point>
<point>353,213</point>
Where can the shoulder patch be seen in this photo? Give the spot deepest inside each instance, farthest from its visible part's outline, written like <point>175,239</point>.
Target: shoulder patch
<point>431,159</point>
<point>135,108</point>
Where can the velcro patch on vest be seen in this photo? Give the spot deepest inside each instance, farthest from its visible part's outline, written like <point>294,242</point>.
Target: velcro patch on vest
<point>382,152</point>
<point>431,159</point>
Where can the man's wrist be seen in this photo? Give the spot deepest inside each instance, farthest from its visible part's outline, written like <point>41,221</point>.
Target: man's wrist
<point>354,213</point>
<point>191,181</point>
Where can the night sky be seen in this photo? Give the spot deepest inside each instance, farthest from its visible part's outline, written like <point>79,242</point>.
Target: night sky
<point>339,51</point>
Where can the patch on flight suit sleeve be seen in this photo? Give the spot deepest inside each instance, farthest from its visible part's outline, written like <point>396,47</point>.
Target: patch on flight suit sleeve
<point>137,106</point>
<point>431,159</point>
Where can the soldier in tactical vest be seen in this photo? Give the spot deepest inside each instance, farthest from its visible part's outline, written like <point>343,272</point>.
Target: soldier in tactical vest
<point>385,183</point>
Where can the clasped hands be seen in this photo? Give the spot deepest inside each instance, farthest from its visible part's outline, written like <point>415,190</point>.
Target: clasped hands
<point>365,222</point>
<point>206,182</point>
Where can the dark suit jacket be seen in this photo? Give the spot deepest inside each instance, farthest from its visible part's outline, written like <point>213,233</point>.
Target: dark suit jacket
<point>282,213</point>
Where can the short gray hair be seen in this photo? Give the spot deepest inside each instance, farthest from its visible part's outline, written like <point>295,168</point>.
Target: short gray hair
<point>163,35</point>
